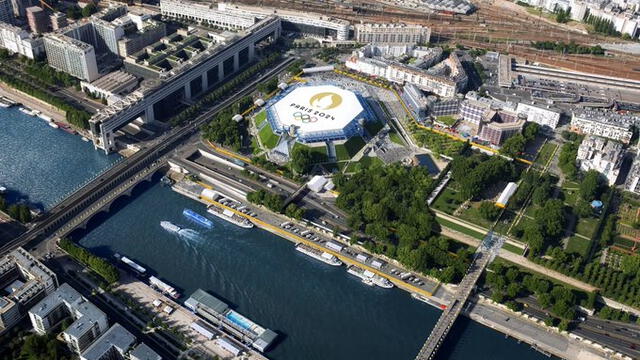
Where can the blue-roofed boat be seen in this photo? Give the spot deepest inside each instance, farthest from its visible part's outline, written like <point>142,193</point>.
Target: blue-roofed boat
<point>197,218</point>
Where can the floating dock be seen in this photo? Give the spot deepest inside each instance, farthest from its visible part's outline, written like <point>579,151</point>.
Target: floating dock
<point>218,313</point>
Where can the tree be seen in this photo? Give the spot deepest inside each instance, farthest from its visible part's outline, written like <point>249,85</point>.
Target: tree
<point>551,218</point>
<point>533,236</point>
<point>591,186</point>
<point>583,209</point>
<point>567,158</point>
<point>301,159</point>
<point>542,193</point>
<point>513,145</point>
<point>74,12</point>
<point>489,210</point>
<point>89,9</point>
<point>530,131</point>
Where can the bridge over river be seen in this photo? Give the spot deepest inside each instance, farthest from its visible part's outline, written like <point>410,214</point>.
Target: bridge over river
<point>484,255</point>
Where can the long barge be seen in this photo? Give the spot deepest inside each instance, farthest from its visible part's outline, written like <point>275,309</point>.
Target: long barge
<point>131,264</point>
<point>230,216</point>
<point>369,278</point>
<point>323,256</point>
<point>218,313</point>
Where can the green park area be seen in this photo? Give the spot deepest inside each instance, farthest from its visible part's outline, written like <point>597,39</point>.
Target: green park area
<point>364,163</point>
<point>545,153</point>
<point>438,144</point>
<point>447,120</point>
<point>260,118</point>
<point>396,138</point>
<point>267,137</point>
<point>578,245</point>
<point>349,149</point>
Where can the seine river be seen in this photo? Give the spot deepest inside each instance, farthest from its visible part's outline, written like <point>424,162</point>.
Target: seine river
<point>320,312</point>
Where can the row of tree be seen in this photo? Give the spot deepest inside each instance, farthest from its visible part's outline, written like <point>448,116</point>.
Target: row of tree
<point>222,91</point>
<point>101,266</point>
<point>601,25</point>
<point>508,283</point>
<point>75,116</point>
<point>621,285</point>
<point>20,212</point>
<point>275,203</point>
<point>46,73</point>
<point>568,48</point>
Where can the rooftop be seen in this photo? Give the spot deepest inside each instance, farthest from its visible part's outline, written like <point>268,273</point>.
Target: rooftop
<point>113,81</point>
<point>144,352</point>
<point>117,337</point>
<point>202,297</point>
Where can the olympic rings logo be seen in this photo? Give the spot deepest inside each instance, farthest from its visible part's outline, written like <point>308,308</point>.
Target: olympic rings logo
<point>304,118</point>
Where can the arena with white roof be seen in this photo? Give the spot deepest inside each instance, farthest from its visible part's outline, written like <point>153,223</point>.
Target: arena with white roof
<point>314,113</point>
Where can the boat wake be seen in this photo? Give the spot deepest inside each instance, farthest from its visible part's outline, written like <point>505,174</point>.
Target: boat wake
<point>190,234</point>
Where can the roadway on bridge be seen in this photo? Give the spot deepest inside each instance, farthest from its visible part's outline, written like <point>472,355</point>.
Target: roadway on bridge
<point>483,256</point>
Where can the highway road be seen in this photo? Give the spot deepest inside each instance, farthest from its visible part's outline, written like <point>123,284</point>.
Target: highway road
<point>122,171</point>
<point>621,337</point>
<point>319,209</point>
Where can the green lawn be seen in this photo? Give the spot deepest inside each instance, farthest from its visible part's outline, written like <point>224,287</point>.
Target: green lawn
<point>587,226</point>
<point>472,215</point>
<point>260,118</point>
<point>268,138</point>
<point>578,245</point>
<point>514,249</point>
<point>395,137</point>
<point>351,147</point>
<point>545,153</point>
<point>447,201</point>
<point>255,147</point>
<point>373,127</point>
<point>460,228</point>
<point>446,119</point>
<point>318,153</point>
<point>364,163</point>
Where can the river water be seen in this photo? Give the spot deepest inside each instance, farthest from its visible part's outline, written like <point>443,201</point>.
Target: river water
<point>40,164</point>
<point>320,312</point>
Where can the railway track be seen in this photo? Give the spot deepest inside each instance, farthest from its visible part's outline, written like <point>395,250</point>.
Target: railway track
<point>490,27</point>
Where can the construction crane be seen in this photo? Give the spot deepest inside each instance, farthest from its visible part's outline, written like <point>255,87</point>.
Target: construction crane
<point>44,4</point>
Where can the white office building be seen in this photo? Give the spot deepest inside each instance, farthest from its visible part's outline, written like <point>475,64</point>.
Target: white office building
<point>206,13</point>
<point>24,281</point>
<point>393,34</point>
<point>20,41</point>
<point>306,23</point>
<point>633,178</point>
<point>538,115</point>
<point>72,56</point>
<point>89,321</point>
<point>606,124</point>
<point>604,156</point>
<point>445,79</point>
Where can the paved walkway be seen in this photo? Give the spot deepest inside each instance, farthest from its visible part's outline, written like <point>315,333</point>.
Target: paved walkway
<point>521,260</point>
<point>32,102</point>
